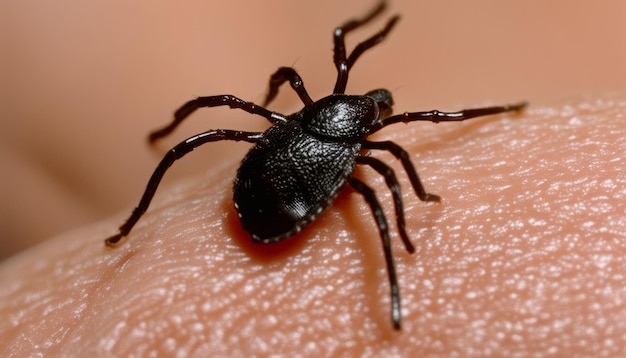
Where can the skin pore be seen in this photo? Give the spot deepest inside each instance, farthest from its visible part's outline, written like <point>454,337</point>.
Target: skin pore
<point>525,255</point>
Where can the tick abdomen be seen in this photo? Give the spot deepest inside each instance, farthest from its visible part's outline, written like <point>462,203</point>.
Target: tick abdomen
<point>288,179</point>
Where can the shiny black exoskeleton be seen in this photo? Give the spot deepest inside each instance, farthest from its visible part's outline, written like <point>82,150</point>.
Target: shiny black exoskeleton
<point>296,171</point>
<point>298,166</point>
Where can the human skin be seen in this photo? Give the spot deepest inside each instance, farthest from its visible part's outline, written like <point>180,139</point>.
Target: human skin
<point>523,256</point>
<point>84,81</point>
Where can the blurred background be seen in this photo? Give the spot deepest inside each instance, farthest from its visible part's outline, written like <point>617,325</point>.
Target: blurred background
<point>83,82</point>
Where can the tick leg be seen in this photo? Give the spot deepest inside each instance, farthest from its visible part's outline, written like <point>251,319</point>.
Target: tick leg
<point>282,75</point>
<point>438,116</point>
<point>343,63</point>
<point>392,182</point>
<point>214,101</point>
<point>381,222</point>
<point>173,155</point>
<point>404,158</point>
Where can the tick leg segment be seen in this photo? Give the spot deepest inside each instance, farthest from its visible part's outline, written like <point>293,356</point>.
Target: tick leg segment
<point>343,63</point>
<point>173,155</point>
<point>214,101</point>
<point>404,158</point>
<point>438,116</point>
<point>383,228</point>
<point>282,75</point>
<point>392,182</point>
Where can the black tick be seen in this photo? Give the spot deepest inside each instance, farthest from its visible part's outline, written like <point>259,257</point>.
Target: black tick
<point>298,166</point>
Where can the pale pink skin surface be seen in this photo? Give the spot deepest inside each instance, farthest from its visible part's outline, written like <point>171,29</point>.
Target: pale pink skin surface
<point>524,254</point>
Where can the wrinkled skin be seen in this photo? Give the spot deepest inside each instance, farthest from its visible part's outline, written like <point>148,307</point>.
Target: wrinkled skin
<point>525,255</point>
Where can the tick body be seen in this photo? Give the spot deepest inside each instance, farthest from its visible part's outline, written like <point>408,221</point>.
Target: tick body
<point>298,166</point>
<point>291,176</point>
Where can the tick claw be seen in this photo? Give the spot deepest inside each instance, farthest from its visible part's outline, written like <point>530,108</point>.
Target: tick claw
<point>114,240</point>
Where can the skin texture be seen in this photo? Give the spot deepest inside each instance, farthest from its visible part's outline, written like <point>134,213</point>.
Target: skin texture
<point>84,82</point>
<point>524,254</point>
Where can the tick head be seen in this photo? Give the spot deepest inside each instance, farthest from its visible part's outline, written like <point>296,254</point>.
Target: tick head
<point>342,117</point>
